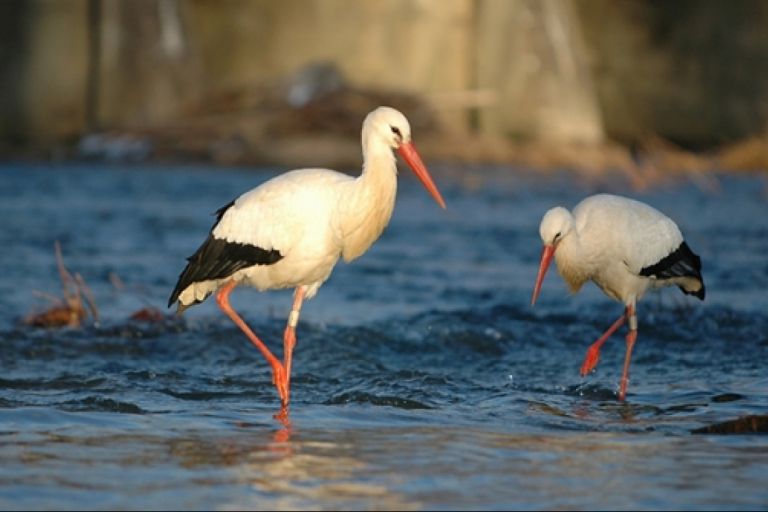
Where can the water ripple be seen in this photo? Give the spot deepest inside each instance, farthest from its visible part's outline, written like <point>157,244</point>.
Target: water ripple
<point>361,397</point>
<point>101,404</point>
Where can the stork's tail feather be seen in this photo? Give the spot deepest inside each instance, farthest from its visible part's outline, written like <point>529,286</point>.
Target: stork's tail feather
<point>700,293</point>
<point>683,267</point>
<point>181,308</point>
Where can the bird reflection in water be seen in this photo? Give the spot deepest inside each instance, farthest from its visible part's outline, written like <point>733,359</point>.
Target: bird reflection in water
<point>290,472</point>
<point>283,434</point>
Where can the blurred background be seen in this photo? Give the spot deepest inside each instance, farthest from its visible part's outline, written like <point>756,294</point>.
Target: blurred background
<point>591,84</point>
<point>423,378</point>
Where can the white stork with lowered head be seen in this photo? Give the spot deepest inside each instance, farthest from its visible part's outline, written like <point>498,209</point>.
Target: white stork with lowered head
<point>290,231</point>
<point>625,247</point>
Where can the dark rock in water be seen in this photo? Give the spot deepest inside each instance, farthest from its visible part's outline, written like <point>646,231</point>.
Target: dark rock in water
<point>744,425</point>
<point>727,397</point>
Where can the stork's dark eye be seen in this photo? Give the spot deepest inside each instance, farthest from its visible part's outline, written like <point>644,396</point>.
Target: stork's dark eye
<point>396,131</point>
<point>557,236</point>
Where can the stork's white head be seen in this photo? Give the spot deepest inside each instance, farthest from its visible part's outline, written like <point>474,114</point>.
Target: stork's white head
<point>387,128</point>
<point>556,224</point>
<point>387,125</point>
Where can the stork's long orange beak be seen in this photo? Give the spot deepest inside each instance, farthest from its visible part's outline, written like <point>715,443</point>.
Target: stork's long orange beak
<point>546,258</point>
<point>409,154</point>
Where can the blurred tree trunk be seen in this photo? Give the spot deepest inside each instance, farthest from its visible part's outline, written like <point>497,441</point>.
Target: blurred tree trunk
<point>531,52</point>
<point>692,71</point>
<point>94,66</point>
<point>43,69</point>
<point>149,70</point>
<point>14,32</point>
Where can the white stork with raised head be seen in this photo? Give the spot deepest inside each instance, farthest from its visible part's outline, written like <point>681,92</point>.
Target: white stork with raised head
<point>290,231</point>
<point>625,247</point>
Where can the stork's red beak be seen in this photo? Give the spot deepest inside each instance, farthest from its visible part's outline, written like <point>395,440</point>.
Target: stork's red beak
<point>546,259</point>
<point>409,154</point>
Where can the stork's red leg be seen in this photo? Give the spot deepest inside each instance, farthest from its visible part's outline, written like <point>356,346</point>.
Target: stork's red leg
<point>593,352</point>
<point>289,337</point>
<point>631,338</point>
<point>278,371</point>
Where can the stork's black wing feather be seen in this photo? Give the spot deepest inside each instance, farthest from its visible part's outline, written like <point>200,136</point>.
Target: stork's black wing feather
<point>682,262</point>
<point>217,258</point>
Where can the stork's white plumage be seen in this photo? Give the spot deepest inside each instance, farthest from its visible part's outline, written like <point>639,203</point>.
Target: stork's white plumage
<point>625,247</point>
<point>290,231</point>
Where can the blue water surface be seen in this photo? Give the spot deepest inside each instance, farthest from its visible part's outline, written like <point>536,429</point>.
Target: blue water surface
<point>422,377</point>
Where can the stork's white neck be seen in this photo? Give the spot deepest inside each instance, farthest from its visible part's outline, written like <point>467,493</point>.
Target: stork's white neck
<point>571,263</point>
<point>378,158</point>
<point>370,200</point>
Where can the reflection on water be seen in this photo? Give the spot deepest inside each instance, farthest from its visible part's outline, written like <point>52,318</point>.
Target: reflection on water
<point>422,378</point>
<point>194,464</point>
<point>302,474</point>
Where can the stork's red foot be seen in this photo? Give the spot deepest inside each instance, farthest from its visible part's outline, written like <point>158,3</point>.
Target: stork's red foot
<point>283,416</point>
<point>590,360</point>
<point>280,380</point>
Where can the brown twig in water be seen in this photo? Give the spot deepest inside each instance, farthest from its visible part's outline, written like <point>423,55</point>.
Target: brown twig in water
<point>89,300</point>
<point>69,311</point>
